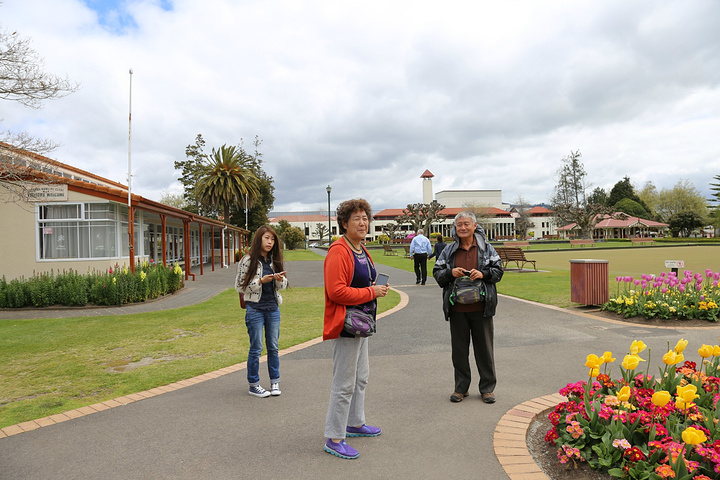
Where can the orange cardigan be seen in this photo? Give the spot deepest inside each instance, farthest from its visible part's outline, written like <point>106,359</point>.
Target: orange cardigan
<point>339,268</point>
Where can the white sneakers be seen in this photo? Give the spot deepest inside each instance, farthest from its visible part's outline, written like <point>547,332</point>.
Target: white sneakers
<point>260,392</point>
<point>275,389</point>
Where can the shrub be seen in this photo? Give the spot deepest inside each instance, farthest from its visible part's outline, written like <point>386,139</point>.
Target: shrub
<point>116,286</point>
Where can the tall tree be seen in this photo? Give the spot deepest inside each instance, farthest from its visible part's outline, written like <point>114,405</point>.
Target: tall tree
<point>683,223</point>
<point>569,199</point>
<point>523,222</point>
<point>421,215</point>
<point>649,195</point>
<point>714,209</point>
<point>24,80</point>
<point>258,210</point>
<point>715,187</point>
<point>227,178</point>
<point>22,77</point>
<point>625,190</point>
<point>599,196</point>
<point>192,169</point>
<point>682,197</point>
<point>632,208</point>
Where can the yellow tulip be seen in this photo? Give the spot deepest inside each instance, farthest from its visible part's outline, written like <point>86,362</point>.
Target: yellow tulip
<point>594,372</point>
<point>630,362</point>
<point>624,394</point>
<point>680,358</point>
<point>607,357</point>
<point>716,350</point>
<point>680,345</point>
<point>660,398</point>
<point>670,358</point>
<point>705,351</point>
<point>688,393</point>
<point>693,436</point>
<point>637,346</point>
<point>593,361</point>
<point>682,405</point>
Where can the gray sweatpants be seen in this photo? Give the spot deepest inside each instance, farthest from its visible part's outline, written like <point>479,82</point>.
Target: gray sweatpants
<point>351,369</point>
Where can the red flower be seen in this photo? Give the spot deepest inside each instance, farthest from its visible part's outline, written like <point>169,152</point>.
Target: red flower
<point>551,436</point>
<point>634,454</point>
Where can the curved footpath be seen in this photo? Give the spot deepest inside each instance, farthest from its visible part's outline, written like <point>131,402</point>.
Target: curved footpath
<point>208,427</point>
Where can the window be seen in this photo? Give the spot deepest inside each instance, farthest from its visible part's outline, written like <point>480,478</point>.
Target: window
<point>79,230</point>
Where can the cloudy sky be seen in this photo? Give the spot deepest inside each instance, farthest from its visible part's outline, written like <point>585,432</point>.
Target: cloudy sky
<point>366,95</point>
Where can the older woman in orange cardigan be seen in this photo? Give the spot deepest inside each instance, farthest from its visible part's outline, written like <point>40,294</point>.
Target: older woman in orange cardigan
<point>349,281</point>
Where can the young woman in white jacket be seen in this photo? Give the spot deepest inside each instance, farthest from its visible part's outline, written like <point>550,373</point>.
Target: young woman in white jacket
<point>260,277</point>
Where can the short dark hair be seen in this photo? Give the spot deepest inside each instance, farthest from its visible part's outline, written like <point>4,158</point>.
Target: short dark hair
<point>439,238</point>
<point>347,208</point>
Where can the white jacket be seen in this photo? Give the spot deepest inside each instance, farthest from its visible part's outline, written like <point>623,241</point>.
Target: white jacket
<point>254,289</point>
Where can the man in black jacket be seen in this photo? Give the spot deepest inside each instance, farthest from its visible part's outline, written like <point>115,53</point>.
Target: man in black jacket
<point>470,255</point>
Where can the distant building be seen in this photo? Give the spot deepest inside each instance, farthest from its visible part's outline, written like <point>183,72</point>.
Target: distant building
<point>496,217</point>
<point>616,228</point>
<point>308,222</point>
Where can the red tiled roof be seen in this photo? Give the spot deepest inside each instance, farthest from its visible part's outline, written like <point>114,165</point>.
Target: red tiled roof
<point>539,211</point>
<point>427,174</point>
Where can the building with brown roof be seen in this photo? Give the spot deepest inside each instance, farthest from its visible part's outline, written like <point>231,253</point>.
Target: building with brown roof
<point>58,217</point>
<point>610,227</point>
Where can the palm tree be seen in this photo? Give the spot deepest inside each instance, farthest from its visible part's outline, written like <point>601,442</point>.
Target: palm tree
<point>227,179</point>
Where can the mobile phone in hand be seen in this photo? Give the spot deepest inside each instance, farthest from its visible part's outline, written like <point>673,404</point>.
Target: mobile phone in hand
<point>382,279</point>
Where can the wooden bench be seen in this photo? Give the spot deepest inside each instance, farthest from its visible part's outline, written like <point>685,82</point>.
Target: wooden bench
<point>388,250</point>
<point>516,244</point>
<point>582,241</point>
<point>635,240</point>
<point>514,254</point>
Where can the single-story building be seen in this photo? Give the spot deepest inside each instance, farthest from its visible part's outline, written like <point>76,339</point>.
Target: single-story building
<point>609,227</point>
<point>58,217</point>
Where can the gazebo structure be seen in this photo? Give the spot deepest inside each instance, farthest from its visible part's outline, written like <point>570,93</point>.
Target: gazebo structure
<point>609,227</point>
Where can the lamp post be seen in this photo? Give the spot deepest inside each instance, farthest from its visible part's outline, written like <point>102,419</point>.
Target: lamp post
<point>329,189</point>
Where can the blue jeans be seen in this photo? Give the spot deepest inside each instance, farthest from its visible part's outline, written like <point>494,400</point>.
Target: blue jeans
<point>255,320</point>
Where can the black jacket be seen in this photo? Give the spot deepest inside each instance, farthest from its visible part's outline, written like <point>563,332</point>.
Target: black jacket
<point>488,263</point>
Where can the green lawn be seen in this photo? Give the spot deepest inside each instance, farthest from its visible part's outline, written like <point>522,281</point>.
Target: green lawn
<point>552,284</point>
<point>55,365</point>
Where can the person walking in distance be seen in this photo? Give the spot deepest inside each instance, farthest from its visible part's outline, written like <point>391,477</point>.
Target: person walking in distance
<point>420,248</point>
<point>438,248</point>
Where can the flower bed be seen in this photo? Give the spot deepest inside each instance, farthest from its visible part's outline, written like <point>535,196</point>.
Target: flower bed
<point>116,286</point>
<point>639,426</point>
<point>691,296</point>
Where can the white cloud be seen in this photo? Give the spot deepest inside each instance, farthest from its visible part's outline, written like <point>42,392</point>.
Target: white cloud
<point>365,96</point>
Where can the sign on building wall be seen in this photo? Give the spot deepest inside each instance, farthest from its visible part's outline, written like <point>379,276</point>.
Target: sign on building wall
<point>48,193</point>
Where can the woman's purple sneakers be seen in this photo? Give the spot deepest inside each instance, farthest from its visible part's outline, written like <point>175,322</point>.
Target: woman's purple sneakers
<point>363,431</point>
<point>342,449</point>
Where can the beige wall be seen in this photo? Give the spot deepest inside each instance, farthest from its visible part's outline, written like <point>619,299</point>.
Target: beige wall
<point>18,242</point>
